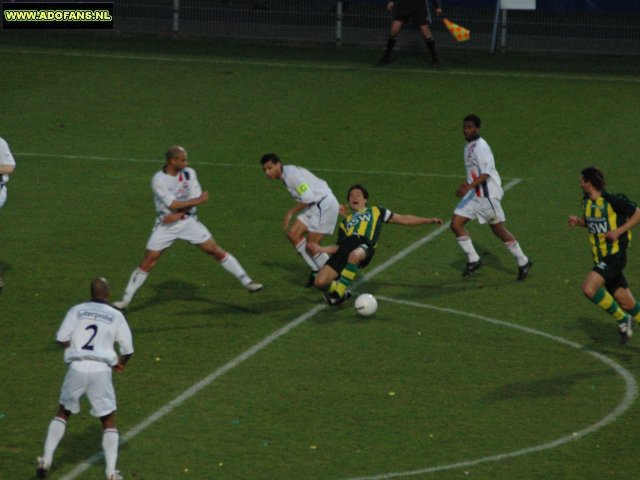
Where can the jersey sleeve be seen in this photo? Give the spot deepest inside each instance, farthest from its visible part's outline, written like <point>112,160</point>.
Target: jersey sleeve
<point>485,159</point>
<point>6,158</point>
<point>385,214</point>
<point>123,337</point>
<point>301,187</point>
<point>195,190</point>
<point>161,192</point>
<point>622,204</point>
<point>67,327</point>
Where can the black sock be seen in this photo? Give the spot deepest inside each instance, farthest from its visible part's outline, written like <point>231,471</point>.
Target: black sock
<point>431,46</point>
<point>391,43</point>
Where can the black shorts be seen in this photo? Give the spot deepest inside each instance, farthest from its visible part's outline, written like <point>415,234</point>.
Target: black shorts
<point>406,10</point>
<point>611,270</point>
<point>339,260</point>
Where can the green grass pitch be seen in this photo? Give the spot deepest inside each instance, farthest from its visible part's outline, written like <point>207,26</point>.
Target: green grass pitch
<point>483,378</point>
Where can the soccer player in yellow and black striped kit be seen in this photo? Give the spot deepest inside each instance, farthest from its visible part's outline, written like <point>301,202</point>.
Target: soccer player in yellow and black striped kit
<point>357,240</point>
<point>609,218</point>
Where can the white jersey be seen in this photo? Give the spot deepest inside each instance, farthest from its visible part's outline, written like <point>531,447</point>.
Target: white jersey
<point>6,158</point>
<point>168,188</point>
<point>303,185</point>
<point>478,160</point>
<point>92,328</point>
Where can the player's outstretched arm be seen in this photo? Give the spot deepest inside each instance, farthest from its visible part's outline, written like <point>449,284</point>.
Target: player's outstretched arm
<point>412,220</point>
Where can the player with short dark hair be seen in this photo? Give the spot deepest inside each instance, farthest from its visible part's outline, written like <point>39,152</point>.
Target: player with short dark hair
<point>481,197</point>
<point>316,209</point>
<point>416,10</point>
<point>357,241</point>
<point>609,217</point>
<point>88,333</point>
<point>177,193</point>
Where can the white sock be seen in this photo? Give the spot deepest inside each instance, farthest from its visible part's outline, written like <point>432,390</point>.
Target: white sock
<point>110,439</point>
<point>138,277</point>
<point>232,265</point>
<point>55,433</point>
<point>320,259</point>
<point>516,251</point>
<point>467,247</point>
<point>301,247</point>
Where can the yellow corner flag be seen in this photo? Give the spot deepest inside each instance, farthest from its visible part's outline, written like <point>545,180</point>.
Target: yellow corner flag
<point>461,34</point>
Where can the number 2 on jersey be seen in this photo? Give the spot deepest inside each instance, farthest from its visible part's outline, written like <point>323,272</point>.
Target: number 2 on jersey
<point>88,345</point>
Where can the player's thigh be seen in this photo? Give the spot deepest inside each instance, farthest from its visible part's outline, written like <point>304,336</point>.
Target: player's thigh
<point>299,227</point>
<point>489,210</point>
<point>101,393</point>
<point>467,208</point>
<point>73,387</point>
<point>161,238</point>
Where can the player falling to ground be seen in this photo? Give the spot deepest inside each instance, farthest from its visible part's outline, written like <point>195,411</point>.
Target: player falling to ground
<point>481,196</point>
<point>7,167</point>
<point>609,219</point>
<point>316,207</point>
<point>88,333</point>
<point>405,10</point>
<point>357,239</point>
<point>177,193</point>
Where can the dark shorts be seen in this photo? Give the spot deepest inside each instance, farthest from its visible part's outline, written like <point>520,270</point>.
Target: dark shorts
<point>406,10</point>
<point>611,270</point>
<point>339,260</point>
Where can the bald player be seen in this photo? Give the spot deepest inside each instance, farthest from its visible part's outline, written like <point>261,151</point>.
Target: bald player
<point>88,333</point>
<point>177,193</point>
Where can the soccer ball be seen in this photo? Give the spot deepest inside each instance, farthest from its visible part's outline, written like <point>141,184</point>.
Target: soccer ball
<point>366,304</point>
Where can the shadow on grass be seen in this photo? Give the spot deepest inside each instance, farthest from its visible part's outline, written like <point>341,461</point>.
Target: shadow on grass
<point>558,386</point>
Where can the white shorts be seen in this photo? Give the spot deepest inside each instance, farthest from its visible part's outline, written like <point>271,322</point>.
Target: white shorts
<point>3,195</point>
<point>485,210</point>
<point>94,381</point>
<point>321,217</point>
<point>189,229</point>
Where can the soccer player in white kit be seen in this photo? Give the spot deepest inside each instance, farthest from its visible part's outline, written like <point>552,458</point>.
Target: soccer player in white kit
<point>7,166</point>
<point>176,193</point>
<point>481,195</point>
<point>88,333</point>
<point>316,204</point>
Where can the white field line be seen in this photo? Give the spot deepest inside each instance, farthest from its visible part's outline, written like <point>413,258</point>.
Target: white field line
<point>256,166</point>
<point>193,390</point>
<point>316,65</point>
<point>630,395</point>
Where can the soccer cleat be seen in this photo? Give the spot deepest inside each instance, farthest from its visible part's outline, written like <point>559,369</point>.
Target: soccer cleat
<point>121,304</point>
<point>253,287</point>
<point>523,271</point>
<point>42,470</point>
<point>115,476</point>
<point>334,298</point>
<point>471,267</point>
<point>625,329</point>
<point>311,280</point>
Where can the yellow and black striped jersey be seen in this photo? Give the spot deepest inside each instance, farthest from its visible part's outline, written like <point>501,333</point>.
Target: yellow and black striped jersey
<point>366,223</point>
<point>602,215</point>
